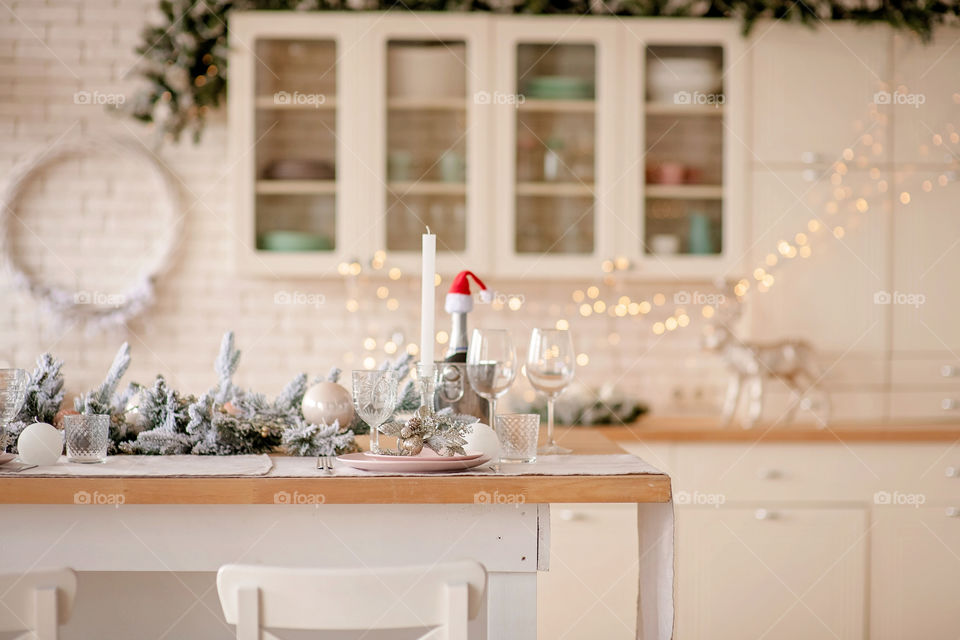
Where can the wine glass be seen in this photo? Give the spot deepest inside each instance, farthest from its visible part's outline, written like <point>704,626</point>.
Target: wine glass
<point>13,389</point>
<point>491,365</point>
<point>375,397</point>
<point>550,364</point>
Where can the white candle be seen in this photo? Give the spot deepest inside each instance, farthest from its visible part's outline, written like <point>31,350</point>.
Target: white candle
<point>428,298</point>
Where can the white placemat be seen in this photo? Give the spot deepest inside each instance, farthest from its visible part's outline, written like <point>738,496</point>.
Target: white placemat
<point>569,465</point>
<point>151,466</point>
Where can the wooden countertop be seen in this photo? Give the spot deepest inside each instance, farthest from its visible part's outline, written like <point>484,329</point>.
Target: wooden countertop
<point>708,430</point>
<point>449,489</point>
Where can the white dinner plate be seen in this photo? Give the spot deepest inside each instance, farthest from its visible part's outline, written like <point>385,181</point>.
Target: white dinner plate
<point>409,464</point>
<point>428,454</point>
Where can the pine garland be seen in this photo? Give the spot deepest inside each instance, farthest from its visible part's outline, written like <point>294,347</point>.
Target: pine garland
<point>41,403</point>
<point>184,58</point>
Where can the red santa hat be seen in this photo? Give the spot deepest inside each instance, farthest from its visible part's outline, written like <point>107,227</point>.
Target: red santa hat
<point>458,298</point>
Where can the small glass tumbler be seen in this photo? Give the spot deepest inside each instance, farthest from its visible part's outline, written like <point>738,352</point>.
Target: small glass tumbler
<point>518,436</point>
<point>87,438</point>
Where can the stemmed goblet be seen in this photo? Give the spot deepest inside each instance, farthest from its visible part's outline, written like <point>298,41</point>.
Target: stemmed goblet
<point>375,398</point>
<point>550,365</point>
<point>491,365</point>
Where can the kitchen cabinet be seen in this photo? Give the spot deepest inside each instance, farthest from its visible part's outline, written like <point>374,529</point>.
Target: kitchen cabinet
<point>590,590</point>
<point>557,143</point>
<point>926,260</point>
<point>926,118</point>
<point>826,294</point>
<point>916,556</point>
<point>293,143</point>
<point>430,134</point>
<point>352,132</point>
<point>814,93</point>
<point>800,540</point>
<point>771,572</point>
<point>684,153</point>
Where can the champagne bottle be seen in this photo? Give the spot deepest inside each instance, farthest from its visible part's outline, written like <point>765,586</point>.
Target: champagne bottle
<point>458,338</point>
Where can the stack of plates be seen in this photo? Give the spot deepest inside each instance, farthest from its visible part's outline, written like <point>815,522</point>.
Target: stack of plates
<point>425,462</point>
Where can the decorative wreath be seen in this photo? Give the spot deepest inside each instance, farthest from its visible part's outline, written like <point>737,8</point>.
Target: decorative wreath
<point>79,306</point>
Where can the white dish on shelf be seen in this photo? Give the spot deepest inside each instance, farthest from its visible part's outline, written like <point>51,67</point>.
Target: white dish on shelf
<point>666,77</point>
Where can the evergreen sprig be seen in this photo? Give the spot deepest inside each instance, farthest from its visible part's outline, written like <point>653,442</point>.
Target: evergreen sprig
<point>184,58</point>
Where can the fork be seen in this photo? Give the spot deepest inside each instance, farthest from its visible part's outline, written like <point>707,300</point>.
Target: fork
<point>325,463</point>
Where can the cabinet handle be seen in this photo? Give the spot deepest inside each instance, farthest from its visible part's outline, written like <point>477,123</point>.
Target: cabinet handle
<point>769,474</point>
<point>569,515</point>
<point>809,175</point>
<point>953,472</point>
<point>949,404</point>
<point>948,371</point>
<point>763,514</point>
<point>809,157</point>
<point>952,512</point>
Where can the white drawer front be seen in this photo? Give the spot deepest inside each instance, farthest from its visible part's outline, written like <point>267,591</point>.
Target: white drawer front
<point>765,472</point>
<point>925,405</point>
<point>923,372</point>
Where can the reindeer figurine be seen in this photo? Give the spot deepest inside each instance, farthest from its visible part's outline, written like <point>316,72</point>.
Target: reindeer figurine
<point>790,361</point>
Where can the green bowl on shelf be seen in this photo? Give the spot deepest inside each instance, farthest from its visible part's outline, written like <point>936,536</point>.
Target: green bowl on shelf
<point>293,241</point>
<point>559,88</point>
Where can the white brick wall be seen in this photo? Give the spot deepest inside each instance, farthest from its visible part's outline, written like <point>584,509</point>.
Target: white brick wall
<point>90,222</point>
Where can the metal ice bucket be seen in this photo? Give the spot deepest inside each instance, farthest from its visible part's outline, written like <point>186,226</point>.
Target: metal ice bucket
<point>455,391</point>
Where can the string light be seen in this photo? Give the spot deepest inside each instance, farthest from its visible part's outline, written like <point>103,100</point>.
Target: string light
<point>369,344</point>
<point>562,324</point>
<point>593,293</point>
<point>394,274</point>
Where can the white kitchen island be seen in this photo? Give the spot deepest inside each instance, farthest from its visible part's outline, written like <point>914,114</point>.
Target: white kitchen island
<point>152,543</point>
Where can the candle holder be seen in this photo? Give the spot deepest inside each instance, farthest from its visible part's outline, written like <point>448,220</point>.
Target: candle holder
<point>428,377</point>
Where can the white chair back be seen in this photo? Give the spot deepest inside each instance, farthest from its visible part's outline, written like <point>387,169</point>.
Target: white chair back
<point>37,602</point>
<point>444,596</point>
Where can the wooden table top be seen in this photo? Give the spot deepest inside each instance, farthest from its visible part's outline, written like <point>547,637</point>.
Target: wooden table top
<point>441,489</point>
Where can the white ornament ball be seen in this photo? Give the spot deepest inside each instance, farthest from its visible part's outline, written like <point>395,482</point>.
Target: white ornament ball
<point>483,438</point>
<point>325,402</point>
<point>40,444</point>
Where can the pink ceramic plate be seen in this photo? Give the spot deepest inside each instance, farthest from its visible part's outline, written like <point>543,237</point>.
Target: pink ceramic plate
<point>7,457</point>
<point>426,454</point>
<point>409,464</point>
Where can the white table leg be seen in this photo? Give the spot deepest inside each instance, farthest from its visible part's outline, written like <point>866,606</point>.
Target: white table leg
<point>511,606</point>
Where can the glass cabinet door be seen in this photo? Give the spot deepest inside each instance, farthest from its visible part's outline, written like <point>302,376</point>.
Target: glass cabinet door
<point>431,145</point>
<point>688,151</point>
<point>296,152</point>
<point>555,104</point>
<point>287,144</point>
